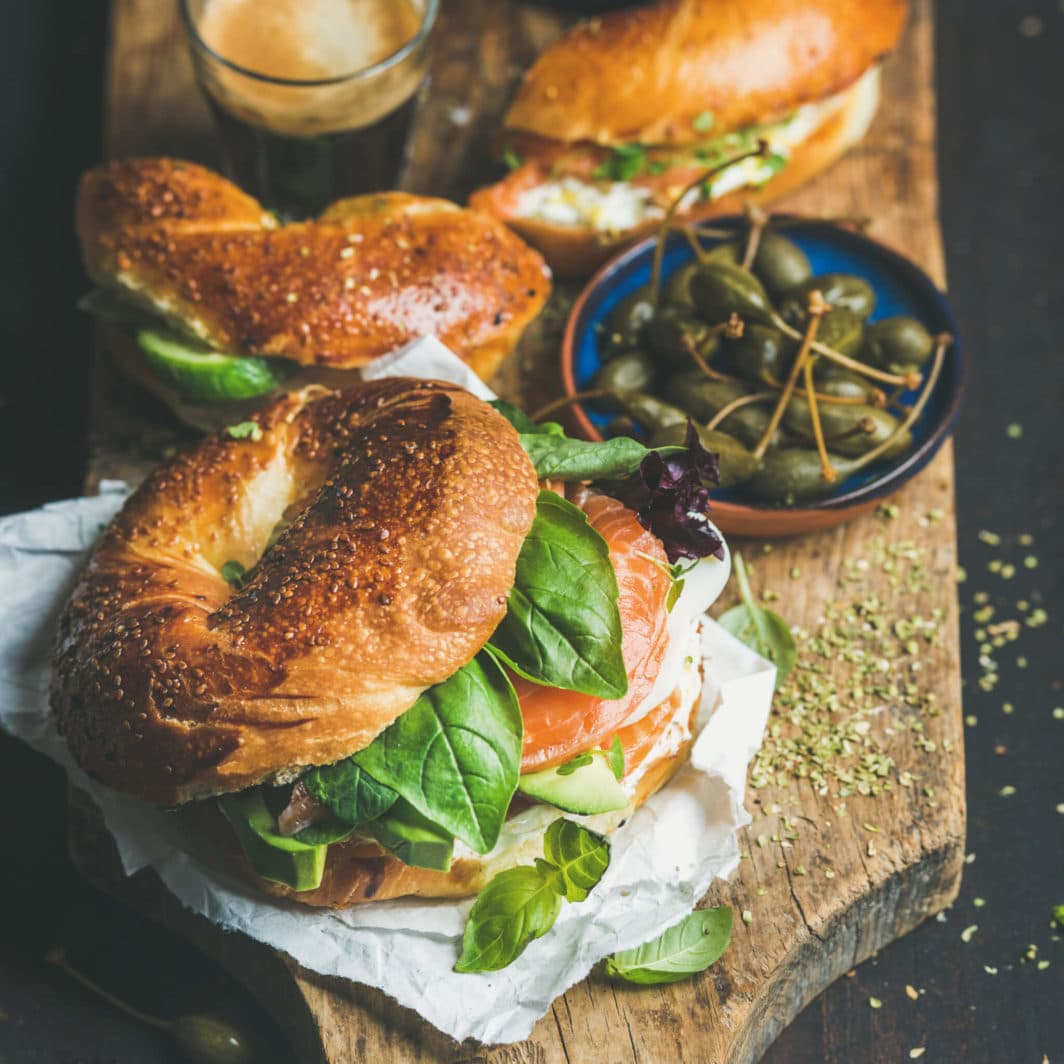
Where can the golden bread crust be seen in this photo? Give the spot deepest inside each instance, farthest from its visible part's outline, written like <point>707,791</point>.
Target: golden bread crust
<point>408,502</point>
<point>578,250</point>
<point>372,273</point>
<point>647,73</point>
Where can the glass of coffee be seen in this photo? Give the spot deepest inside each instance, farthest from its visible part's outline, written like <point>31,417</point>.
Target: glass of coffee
<point>312,98</point>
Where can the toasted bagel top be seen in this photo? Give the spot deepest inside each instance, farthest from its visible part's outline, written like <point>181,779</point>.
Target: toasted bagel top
<point>379,528</point>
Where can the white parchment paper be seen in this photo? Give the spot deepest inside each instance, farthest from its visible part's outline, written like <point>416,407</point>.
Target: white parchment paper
<point>663,860</point>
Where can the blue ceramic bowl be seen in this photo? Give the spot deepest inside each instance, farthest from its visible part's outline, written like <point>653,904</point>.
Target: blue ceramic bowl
<point>901,287</point>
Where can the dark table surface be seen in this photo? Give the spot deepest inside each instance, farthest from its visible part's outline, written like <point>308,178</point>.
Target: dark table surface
<point>993,995</point>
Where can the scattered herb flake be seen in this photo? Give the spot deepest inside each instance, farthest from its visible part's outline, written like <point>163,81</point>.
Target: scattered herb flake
<point>875,1003</point>
<point>246,430</point>
<point>968,933</point>
<point>703,122</point>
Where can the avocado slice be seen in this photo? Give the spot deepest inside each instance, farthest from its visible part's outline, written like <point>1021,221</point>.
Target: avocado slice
<point>591,788</point>
<point>298,865</point>
<point>201,374</point>
<point>413,838</point>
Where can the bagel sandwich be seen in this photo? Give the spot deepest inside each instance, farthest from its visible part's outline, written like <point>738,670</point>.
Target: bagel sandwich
<point>616,119</point>
<point>213,304</point>
<point>379,644</point>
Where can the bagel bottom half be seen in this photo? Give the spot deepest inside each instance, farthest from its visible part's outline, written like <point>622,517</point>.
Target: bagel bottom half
<point>358,870</point>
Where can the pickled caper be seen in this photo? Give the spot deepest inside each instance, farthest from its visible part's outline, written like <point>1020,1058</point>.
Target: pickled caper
<point>780,263</point>
<point>677,289</point>
<point>674,332</point>
<point>833,379</point>
<point>650,411</point>
<point>838,289</point>
<point>702,398</point>
<point>850,429</point>
<point>761,349</point>
<point>626,321</point>
<point>630,371</point>
<point>897,344</point>
<point>842,330</point>
<point>794,474</point>
<point>720,289</point>
<point>736,462</point>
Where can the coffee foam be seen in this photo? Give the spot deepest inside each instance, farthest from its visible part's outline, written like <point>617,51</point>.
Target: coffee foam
<point>309,40</point>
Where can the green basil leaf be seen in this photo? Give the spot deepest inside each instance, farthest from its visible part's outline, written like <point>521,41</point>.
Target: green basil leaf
<point>580,856</point>
<point>348,792</point>
<point>566,459</point>
<point>233,573</point>
<point>763,631</point>
<point>455,754</point>
<point>686,948</point>
<point>517,906</point>
<point>523,423</point>
<point>563,625</point>
<point>615,757</point>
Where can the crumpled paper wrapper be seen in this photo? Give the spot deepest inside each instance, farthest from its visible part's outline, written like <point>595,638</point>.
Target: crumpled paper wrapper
<point>663,860</point>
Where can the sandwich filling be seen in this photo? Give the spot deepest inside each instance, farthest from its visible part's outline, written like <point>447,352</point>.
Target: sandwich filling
<point>612,190</point>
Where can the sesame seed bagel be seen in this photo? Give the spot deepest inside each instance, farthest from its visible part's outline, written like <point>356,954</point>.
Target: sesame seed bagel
<point>379,527</point>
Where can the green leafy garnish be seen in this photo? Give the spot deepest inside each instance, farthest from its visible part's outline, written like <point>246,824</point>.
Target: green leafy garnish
<point>512,160</point>
<point>561,458</point>
<point>348,792</point>
<point>615,757</point>
<point>760,628</point>
<point>577,762</point>
<point>580,855</point>
<point>685,949</point>
<point>523,423</point>
<point>517,906</point>
<point>563,626</point>
<point>703,122</point>
<point>677,571</point>
<point>622,164</point>
<point>455,754</point>
<point>246,430</point>
<point>521,904</point>
<point>773,163</point>
<point>234,574</point>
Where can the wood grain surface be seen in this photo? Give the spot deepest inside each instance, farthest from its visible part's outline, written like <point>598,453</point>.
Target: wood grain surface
<point>805,928</point>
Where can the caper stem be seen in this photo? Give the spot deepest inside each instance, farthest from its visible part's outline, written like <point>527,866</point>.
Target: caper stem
<point>910,380</point>
<point>567,400</point>
<point>822,397</point>
<point>745,593</point>
<point>733,327</point>
<point>735,404</point>
<point>696,247</point>
<point>55,956</point>
<point>817,307</point>
<point>827,470</point>
<point>674,206</point>
<point>942,342</point>
<point>758,220</point>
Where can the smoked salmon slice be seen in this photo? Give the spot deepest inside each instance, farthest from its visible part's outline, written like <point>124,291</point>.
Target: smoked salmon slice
<point>559,724</point>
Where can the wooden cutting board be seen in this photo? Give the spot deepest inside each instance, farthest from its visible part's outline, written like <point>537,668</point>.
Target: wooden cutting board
<point>819,899</point>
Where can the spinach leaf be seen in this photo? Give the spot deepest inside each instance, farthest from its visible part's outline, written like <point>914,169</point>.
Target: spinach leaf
<point>615,757</point>
<point>563,625</point>
<point>517,906</point>
<point>580,856</point>
<point>759,628</point>
<point>348,792</point>
<point>455,754</point>
<point>523,423</point>
<point>567,459</point>
<point>685,949</point>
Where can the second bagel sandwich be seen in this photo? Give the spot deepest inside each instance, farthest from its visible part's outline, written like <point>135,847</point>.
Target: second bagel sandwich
<point>376,642</point>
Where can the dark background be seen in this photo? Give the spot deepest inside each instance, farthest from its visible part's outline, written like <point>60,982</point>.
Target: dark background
<point>1001,89</point>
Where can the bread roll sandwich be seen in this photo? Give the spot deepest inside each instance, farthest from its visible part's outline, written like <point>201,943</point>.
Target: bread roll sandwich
<point>213,304</point>
<point>372,652</point>
<point>614,120</point>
